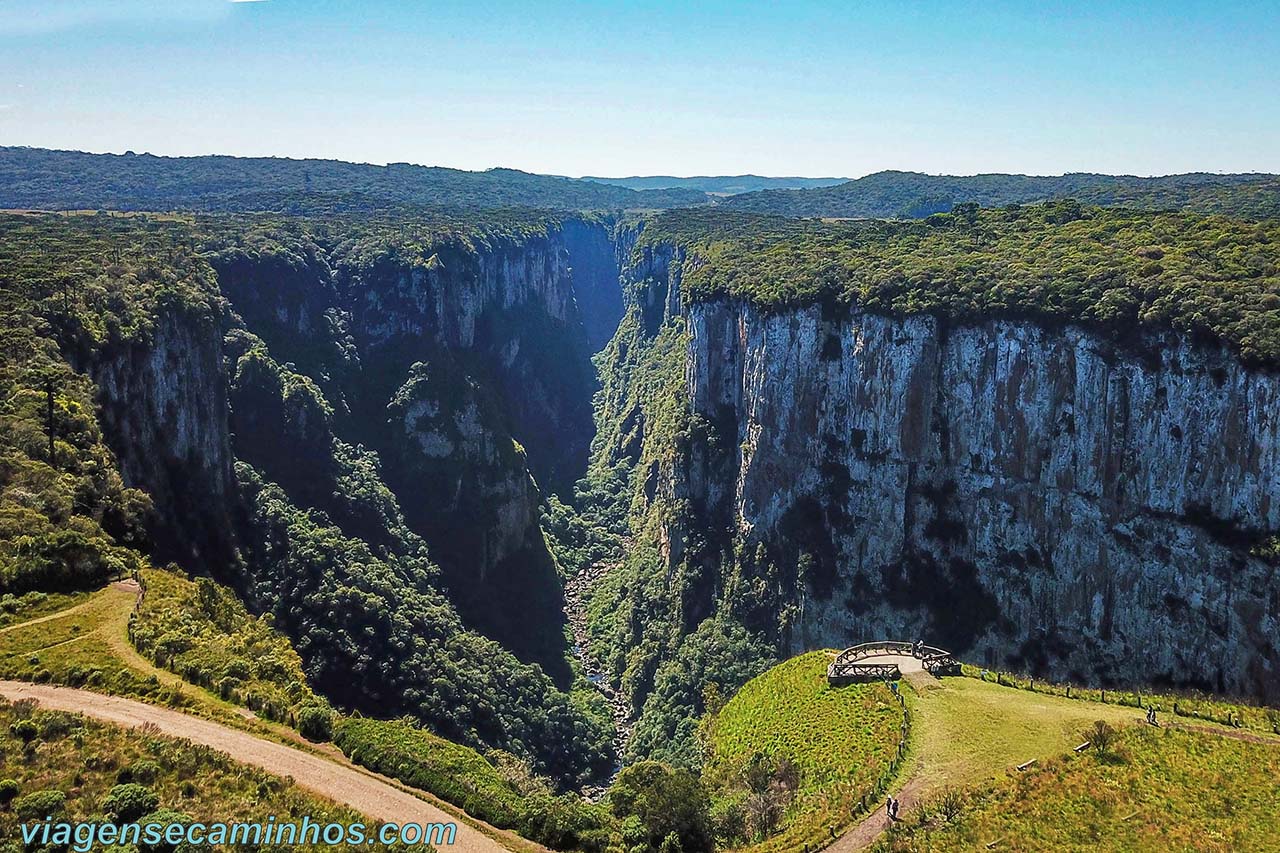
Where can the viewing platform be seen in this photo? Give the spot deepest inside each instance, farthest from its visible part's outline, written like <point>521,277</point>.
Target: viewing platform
<point>888,659</point>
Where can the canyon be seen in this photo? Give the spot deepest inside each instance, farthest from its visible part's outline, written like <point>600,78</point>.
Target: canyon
<point>1031,495</point>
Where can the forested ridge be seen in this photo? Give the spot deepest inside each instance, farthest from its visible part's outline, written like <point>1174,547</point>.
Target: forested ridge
<point>1213,277</point>
<point>74,180</point>
<point>911,195</point>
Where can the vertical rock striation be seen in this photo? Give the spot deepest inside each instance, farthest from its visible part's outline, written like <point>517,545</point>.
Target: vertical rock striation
<point>1029,496</point>
<point>164,413</point>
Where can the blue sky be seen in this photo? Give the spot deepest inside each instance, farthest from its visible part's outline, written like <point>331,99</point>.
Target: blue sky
<point>811,88</point>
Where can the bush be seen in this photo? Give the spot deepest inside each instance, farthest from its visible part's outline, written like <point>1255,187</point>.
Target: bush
<point>25,730</point>
<point>1101,736</point>
<point>165,817</point>
<point>315,722</point>
<point>144,771</point>
<point>39,805</point>
<point>9,789</point>
<point>129,801</point>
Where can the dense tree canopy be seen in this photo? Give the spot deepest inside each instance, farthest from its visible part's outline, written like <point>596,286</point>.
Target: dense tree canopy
<point>1115,270</point>
<point>910,195</point>
<point>72,180</point>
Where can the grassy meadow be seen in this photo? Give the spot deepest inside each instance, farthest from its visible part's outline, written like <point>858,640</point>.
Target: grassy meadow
<point>841,742</point>
<point>967,730</point>
<point>1213,709</point>
<point>1153,790</point>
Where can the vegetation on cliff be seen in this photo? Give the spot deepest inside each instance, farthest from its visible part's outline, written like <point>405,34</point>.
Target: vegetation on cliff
<point>70,288</point>
<point>201,631</point>
<point>326,548</point>
<point>911,195</point>
<point>1118,271</point>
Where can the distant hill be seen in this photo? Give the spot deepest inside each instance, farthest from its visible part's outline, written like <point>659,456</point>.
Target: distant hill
<point>718,184</point>
<point>910,195</point>
<point>71,180</point>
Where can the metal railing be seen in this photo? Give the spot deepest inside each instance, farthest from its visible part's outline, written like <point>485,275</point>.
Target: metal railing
<point>847,666</point>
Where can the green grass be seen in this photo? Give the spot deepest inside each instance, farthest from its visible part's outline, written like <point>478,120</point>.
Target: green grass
<point>16,609</point>
<point>967,730</point>
<point>1186,704</point>
<point>416,757</point>
<point>85,646</point>
<point>83,759</point>
<point>202,632</point>
<point>842,740</point>
<point>1162,789</point>
<point>195,628</point>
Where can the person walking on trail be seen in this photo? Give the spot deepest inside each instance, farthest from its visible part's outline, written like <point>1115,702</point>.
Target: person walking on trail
<point>888,806</point>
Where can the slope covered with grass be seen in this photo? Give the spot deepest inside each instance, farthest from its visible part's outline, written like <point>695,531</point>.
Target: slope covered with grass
<point>78,769</point>
<point>966,731</point>
<point>1154,790</point>
<point>789,757</point>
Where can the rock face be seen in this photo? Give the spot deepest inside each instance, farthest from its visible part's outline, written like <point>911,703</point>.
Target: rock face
<point>466,366</point>
<point>1028,496</point>
<point>164,413</point>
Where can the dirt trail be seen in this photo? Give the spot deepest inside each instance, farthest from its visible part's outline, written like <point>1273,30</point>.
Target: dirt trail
<point>371,795</point>
<point>868,831</point>
<point>57,614</point>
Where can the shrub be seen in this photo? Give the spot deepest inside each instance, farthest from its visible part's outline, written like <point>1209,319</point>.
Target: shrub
<point>9,789</point>
<point>1101,736</point>
<point>25,730</point>
<point>165,817</point>
<point>668,802</point>
<point>145,771</point>
<point>315,722</point>
<point>129,801</point>
<point>39,804</point>
<point>56,724</point>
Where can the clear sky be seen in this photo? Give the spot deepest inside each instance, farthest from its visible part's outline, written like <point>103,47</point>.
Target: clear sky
<point>613,88</point>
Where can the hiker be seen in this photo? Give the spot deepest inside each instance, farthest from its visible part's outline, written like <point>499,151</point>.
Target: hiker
<point>888,806</point>
<point>896,805</point>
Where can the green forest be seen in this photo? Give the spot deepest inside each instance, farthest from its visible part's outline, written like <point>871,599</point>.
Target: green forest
<point>73,180</point>
<point>913,195</point>
<point>1207,276</point>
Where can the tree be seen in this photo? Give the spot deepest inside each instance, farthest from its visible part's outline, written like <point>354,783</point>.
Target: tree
<point>666,805</point>
<point>1101,736</point>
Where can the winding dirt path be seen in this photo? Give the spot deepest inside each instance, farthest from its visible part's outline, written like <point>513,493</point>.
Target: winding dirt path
<point>365,792</point>
<point>869,830</point>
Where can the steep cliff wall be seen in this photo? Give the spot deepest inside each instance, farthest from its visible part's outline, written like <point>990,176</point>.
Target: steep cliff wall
<point>1031,495</point>
<point>164,413</point>
<point>1027,496</point>
<point>464,362</point>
